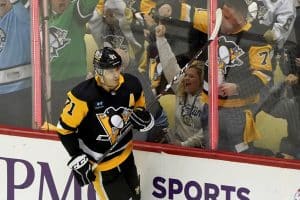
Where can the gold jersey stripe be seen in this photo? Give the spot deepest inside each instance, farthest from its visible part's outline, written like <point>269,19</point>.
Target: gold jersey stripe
<point>185,14</point>
<point>200,21</point>
<point>263,77</point>
<point>74,111</point>
<point>100,7</point>
<point>146,6</point>
<point>116,161</point>
<point>141,102</point>
<point>233,103</point>
<point>98,186</point>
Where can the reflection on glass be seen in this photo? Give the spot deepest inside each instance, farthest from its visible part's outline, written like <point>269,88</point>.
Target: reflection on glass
<point>15,67</point>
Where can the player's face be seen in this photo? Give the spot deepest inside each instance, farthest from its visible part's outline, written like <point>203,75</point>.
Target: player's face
<point>232,20</point>
<point>5,6</point>
<point>111,78</point>
<point>59,6</point>
<point>191,81</point>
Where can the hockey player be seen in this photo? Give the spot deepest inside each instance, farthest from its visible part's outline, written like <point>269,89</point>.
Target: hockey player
<point>97,112</point>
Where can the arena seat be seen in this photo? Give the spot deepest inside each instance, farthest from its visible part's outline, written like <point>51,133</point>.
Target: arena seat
<point>91,47</point>
<point>168,103</point>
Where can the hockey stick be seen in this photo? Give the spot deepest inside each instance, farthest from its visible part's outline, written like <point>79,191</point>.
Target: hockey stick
<point>46,61</point>
<point>195,57</point>
<point>118,140</point>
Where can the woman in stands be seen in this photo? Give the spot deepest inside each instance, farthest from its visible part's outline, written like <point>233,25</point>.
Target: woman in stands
<point>191,114</point>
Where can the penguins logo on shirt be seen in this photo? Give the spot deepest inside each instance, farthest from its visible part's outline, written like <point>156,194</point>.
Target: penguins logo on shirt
<point>114,122</point>
<point>115,41</point>
<point>229,54</point>
<point>2,40</point>
<point>58,40</point>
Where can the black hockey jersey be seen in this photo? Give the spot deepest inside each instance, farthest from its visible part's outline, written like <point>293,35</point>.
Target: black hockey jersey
<point>245,59</point>
<point>97,118</point>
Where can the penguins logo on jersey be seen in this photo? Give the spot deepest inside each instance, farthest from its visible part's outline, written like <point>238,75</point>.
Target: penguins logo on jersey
<point>2,40</point>
<point>113,122</point>
<point>115,41</point>
<point>58,40</point>
<point>229,54</point>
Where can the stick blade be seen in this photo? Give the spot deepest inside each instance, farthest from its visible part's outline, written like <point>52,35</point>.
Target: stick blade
<point>219,16</point>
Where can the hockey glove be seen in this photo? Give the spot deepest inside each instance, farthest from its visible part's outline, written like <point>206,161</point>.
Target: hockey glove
<point>82,169</point>
<point>141,119</point>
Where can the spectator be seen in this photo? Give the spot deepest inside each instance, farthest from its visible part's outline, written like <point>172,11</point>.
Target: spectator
<point>191,115</point>
<point>288,107</point>
<point>15,67</point>
<point>119,11</point>
<point>276,103</point>
<point>182,37</point>
<point>246,65</point>
<point>67,27</point>
<point>279,15</point>
<point>98,112</point>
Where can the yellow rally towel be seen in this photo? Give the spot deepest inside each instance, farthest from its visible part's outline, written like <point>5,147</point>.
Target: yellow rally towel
<point>250,131</point>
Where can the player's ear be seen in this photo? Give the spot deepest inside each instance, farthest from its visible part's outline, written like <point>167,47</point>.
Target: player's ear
<point>99,79</point>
